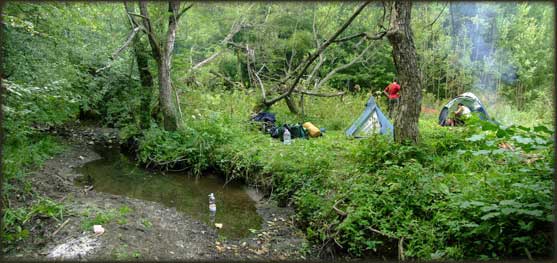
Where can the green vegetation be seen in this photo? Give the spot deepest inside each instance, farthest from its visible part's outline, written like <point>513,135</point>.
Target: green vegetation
<point>123,253</point>
<point>482,191</point>
<point>103,217</point>
<point>456,195</point>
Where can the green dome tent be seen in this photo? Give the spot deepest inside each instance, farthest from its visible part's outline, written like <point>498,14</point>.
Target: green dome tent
<point>469,100</point>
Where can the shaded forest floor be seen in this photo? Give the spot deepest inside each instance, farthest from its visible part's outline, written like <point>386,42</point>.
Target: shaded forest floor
<point>136,229</point>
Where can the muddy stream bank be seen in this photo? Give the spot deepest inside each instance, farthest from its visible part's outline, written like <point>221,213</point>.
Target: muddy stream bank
<point>149,215</point>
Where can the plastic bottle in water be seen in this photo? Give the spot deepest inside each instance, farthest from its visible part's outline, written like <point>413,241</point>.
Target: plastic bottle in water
<point>212,207</point>
<point>286,137</point>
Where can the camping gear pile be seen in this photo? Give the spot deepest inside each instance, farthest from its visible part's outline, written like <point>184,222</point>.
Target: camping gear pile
<point>268,125</point>
<point>469,100</point>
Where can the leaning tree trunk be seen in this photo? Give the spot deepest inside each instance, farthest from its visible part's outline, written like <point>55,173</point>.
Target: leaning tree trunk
<point>140,53</point>
<point>405,59</point>
<point>163,56</point>
<point>165,86</point>
<point>291,105</point>
<point>146,83</point>
<point>166,100</point>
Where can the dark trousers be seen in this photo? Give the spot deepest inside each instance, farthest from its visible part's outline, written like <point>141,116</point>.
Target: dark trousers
<point>391,106</point>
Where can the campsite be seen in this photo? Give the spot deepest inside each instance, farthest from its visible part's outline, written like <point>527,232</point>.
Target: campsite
<point>277,131</point>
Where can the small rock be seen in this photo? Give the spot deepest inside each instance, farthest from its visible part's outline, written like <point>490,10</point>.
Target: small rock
<point>81,157</point>
<point>91,142</point>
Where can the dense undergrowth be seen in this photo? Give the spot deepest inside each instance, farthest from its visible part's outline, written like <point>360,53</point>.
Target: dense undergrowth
<point>476,192</point>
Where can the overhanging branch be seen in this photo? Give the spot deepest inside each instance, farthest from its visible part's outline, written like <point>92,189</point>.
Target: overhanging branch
<point>341,67</point>
<point>312,58</point>
<point>122,48</point>
<point>183,11</point>
<point>310,93</point>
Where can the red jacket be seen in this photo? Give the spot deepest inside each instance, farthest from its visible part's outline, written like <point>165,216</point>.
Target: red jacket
<point>393,90</point>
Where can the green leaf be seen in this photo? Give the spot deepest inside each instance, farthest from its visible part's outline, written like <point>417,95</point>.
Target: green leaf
<point>481,152</point>
<point>543,129</point>
<point>507,210</point>
<point>489,208</point>
<point>522,140</point>
<point>490,215</point>
<point>476,137</point>
<point>510,203</point>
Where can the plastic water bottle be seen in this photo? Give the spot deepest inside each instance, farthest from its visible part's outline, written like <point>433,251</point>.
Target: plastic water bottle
<point>212,207</point>
<point>286,137</point>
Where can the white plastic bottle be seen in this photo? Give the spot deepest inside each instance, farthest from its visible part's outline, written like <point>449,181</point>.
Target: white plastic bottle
<point>286,137</point>
<point>212,205</point>
<point>212,208</point>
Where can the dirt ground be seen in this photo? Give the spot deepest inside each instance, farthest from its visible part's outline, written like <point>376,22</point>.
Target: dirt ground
<point>139,229</point>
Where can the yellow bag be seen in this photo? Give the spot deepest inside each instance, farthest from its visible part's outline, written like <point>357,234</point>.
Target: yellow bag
<point>312,130</point>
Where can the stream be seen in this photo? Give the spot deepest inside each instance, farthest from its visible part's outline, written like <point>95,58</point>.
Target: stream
<point>116,174</point>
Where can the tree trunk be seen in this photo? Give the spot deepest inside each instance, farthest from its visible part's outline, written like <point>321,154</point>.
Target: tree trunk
<point>146,84</point>
<point>405,60</point>
<point>140,53</point>
<point>165,85</point>
<point>291,105</point>
<point>162,52</point>
<point>170,120</point>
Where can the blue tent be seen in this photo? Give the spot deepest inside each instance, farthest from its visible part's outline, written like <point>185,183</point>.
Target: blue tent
<point>370,121</point>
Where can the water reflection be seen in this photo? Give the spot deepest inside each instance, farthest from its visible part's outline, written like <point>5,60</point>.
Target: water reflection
<point>116,174</point>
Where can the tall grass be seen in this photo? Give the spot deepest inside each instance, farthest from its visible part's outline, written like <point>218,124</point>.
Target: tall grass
<point>367,195</point>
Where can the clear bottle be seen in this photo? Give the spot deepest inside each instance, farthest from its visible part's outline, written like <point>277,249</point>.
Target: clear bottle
<point>212,207</point>
<point>286,137</point>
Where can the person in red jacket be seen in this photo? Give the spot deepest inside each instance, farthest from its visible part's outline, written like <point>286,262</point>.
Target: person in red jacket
<point>392,94</point>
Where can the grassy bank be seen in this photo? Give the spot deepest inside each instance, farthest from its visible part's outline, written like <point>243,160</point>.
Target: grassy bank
<point>456,195</point>
<point>21,206</point>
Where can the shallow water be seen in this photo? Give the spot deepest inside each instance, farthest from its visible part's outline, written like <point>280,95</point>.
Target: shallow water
<point>116,174</point>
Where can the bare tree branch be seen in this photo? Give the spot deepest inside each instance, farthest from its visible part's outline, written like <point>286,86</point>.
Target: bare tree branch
<point>439,15</point>
<point>155,48</point>
<point>127,43</point>
<point>316,54</point>
<point>251,73</point>
<point>317,45</point>
<point>236,27</point>
<point>119,50</point>
<point>381,25</point>
<point>138,15</point>
<point>183,11</point>
<point>205,61</point>
<point>233,83</point>
<point>310,93</point>
<point>363,35</point>
<point>341,67</point>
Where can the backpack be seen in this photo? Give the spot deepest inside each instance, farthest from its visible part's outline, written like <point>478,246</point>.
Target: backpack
<point>277,132</point>
<point>297,131</point>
